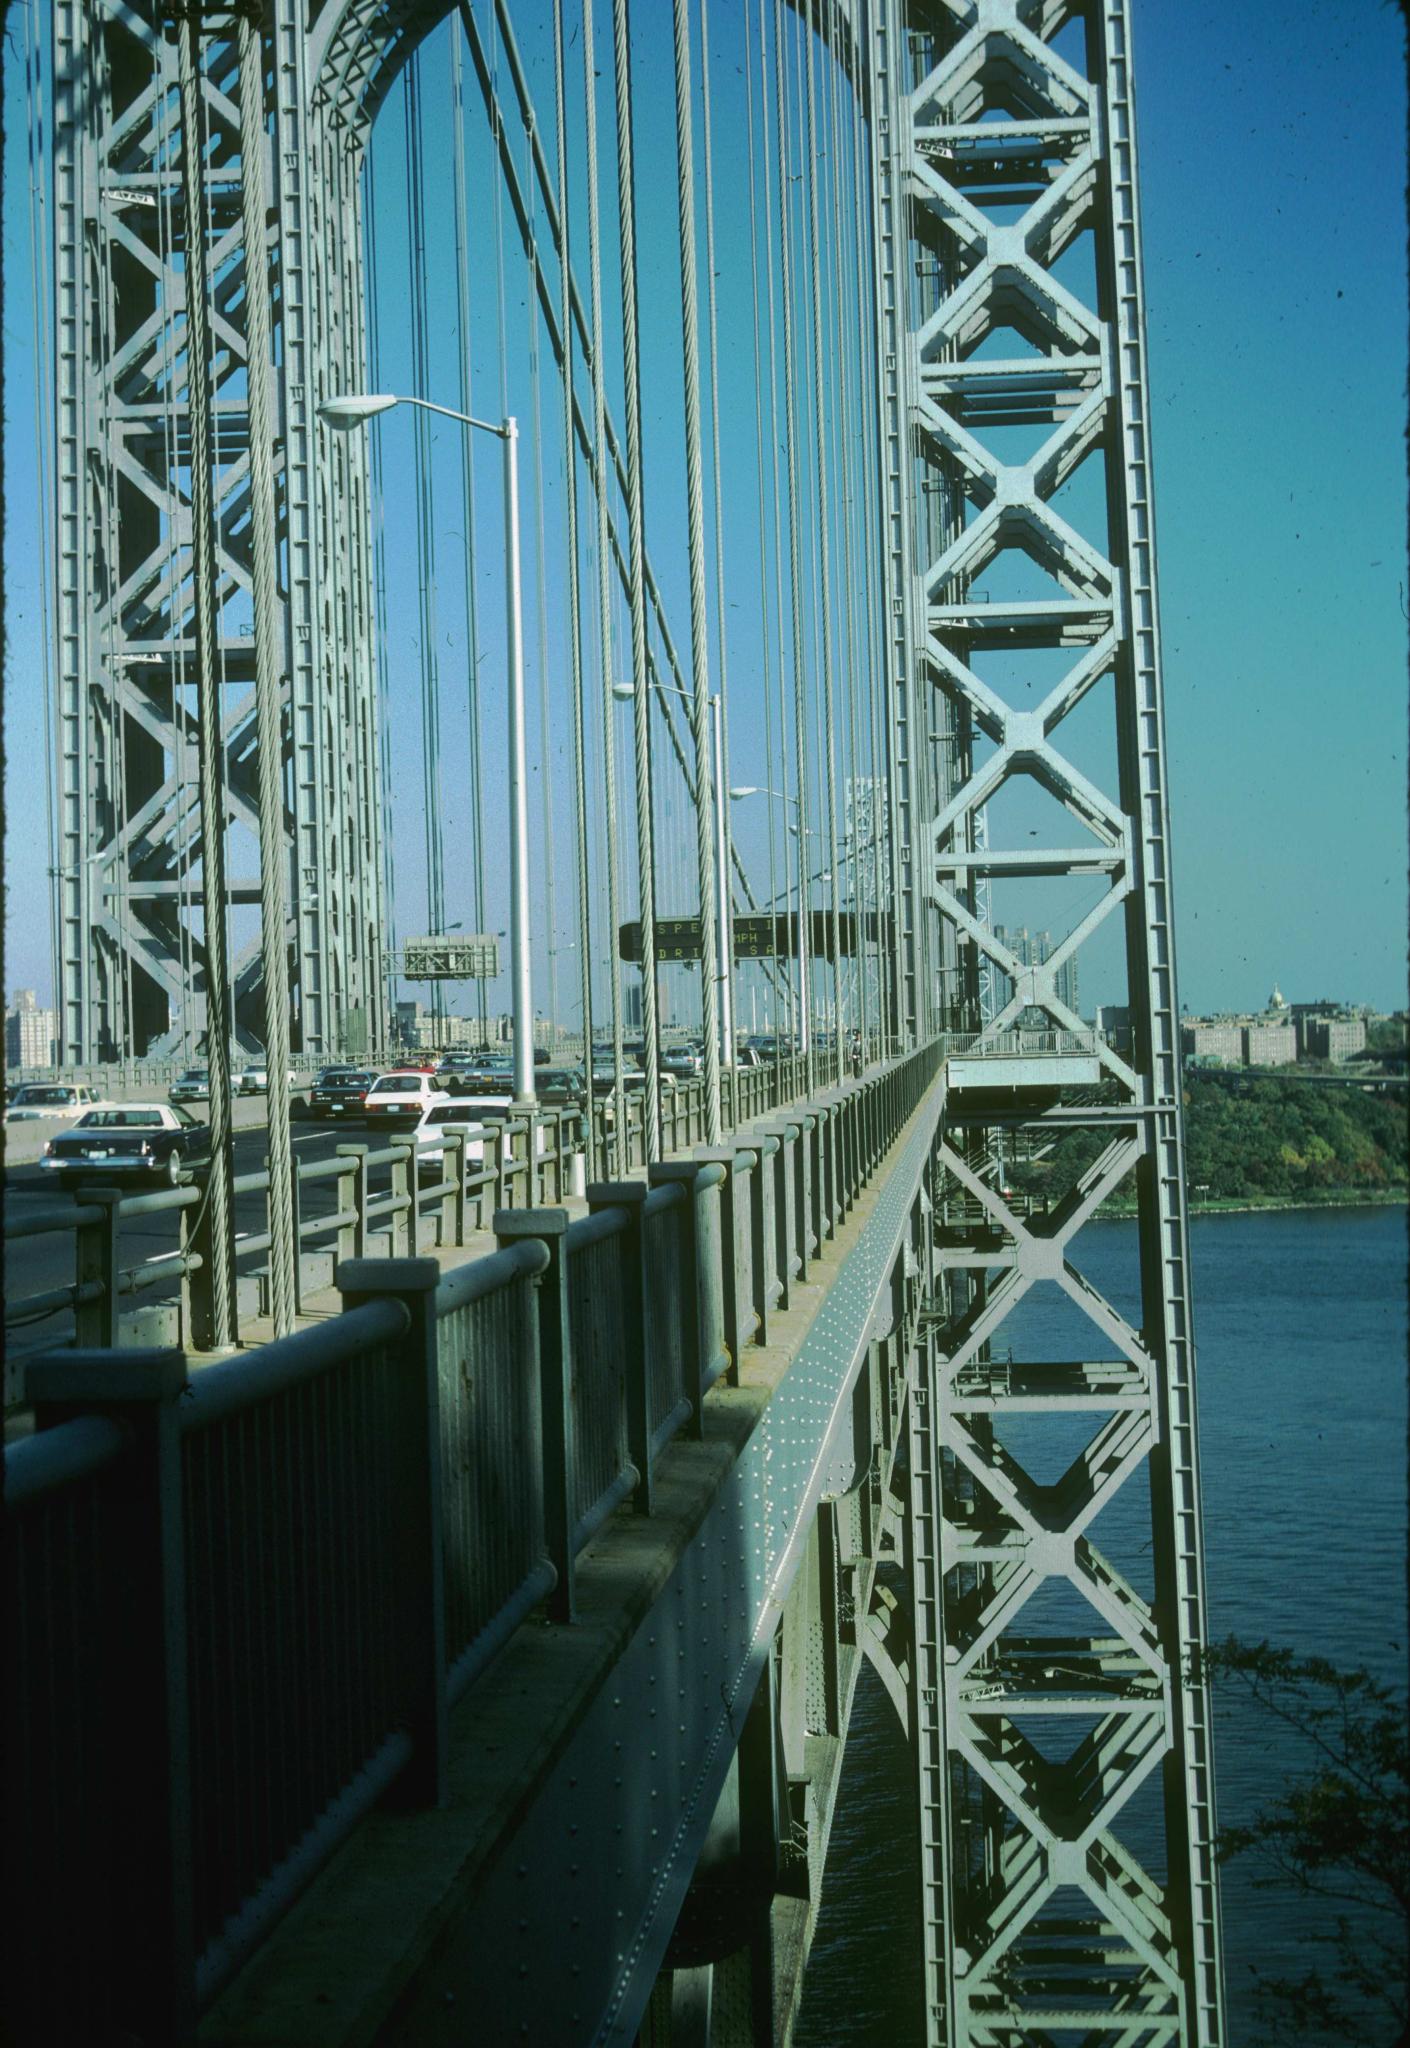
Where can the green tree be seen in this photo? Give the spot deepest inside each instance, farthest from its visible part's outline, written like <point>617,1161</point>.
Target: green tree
<point>1338,1832</point>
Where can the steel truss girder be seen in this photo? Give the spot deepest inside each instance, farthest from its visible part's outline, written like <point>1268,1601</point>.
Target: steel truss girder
<point>1057,1926</point>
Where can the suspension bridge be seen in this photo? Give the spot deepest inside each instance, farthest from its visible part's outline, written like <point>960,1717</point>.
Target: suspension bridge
<point>666,487</point>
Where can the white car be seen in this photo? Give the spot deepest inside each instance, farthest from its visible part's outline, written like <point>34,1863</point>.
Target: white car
<point>62,1100</point>
<point>440,1117</point>
<point>402,1095</point>
<point>255,1079</point>
<point>192,1086</point>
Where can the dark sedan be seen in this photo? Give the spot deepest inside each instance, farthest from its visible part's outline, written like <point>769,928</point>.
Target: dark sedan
<point>340,1092</point>
<point>146,1142</point>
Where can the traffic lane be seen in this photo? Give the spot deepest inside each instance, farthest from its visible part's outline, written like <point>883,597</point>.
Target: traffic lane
<point>34,1265</point>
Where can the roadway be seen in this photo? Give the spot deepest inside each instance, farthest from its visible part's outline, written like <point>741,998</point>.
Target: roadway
<point>35,1264</point>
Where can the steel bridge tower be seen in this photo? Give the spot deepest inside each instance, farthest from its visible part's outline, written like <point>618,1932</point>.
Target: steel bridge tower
<point>130,894</point>
<point>1062,1736</point>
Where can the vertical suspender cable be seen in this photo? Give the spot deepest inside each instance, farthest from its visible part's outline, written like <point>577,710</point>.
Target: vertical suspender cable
<point>842,367</point>
<point>425,522</point>
<point>212,780</point>
<point>811,179</point>
<point>725,971</point>
<point>695,540</point>
<point>467,495</point>
<point>575,626</point>
<point>800,717</point>
<point>636,592</point>
<point>796,992</point>
<point>541,609</point>
<point>283,1251</point>
<point>759,461</point>
<point>166,244</point>
<point>43,413</point>
<point>379,594</point>
<point>873,542</point>
<point>604,578</point>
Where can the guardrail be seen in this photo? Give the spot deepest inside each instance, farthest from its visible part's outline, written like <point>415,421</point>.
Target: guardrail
<point>1015,1044</point>
<point>243,1606</point>
<point>479,1174</point>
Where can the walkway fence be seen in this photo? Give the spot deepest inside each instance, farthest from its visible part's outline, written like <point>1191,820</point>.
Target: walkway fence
<point>401,1197</point>
<point>242,1604</point>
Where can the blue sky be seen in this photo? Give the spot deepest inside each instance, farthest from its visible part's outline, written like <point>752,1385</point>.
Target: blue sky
<point>1271,147</point>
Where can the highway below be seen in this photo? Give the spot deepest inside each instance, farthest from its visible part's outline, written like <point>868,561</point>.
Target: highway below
<point>35,1264</point>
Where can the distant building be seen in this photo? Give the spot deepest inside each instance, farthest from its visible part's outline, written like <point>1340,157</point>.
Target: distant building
<point>1277,1001</point>
<point>1268,1045</point>
<point>1221,1043</point>
<point>29,1032</point>
<point>1113,1020</point>
<point>1334,1038</point>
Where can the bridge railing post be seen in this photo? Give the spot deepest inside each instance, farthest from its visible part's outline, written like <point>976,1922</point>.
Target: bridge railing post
<point>195,1242</point>
<point>95,1264</point>
<point>147,1705</point>
<point>555,1369</point>
<point>803,1187</point>
<point>416,1528</point>
<point>453,1180</point>
<point>631,1196</point>
<point>703,1354</point>
<point>735,1291</point>
<point>356,1244</point>
<point>780,1165</point>
<point>346,1194</point>
<point>762,1242</point>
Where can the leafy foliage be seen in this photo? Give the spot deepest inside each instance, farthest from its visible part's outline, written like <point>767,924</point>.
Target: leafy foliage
<point>1256,1140</point>
<point>1338,1832</point>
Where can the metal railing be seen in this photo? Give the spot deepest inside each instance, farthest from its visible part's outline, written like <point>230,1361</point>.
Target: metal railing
<point>1019,1044</point>
<point>500,1163</point>
<point>244,1604</point>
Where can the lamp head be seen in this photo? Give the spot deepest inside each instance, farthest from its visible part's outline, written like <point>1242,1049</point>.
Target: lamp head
<point>745,789</point>
<point>353,408</point>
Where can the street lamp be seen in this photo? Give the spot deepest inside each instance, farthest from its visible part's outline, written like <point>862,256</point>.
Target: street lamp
<point>724,928</point>
<point>737,795</point>
<point>354,410</point>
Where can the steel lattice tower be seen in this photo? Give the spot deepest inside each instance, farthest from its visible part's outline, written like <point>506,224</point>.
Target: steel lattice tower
<point>131,967</point>
<point>1009,145</point>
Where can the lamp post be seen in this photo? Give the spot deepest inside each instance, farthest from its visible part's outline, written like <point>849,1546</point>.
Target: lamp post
<point>353,410</point>
<point>724,928</point>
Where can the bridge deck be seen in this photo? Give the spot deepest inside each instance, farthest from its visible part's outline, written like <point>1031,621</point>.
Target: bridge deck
<point>426,1916</point>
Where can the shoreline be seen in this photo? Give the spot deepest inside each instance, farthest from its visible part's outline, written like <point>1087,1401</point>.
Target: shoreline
<point>1276,1204</point>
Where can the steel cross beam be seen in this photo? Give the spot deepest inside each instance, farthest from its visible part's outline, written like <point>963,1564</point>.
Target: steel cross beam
<point>1049,1909</point>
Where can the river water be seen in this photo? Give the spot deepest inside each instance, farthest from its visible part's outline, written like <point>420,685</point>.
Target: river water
<point>1300,1322</point>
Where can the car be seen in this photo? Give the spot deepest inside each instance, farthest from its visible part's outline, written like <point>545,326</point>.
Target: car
<point>255,1080</point>
<point>142,1141</point>
<point>557,1087</point>
<point>681,1063</point>
<point>401,1095</point>
<point>481,1087</point>
<point>419,1063</point>
<point>61,1100</point>
<point>194,1085</point>
<point>340,1092</point>
<point>438,1118</point>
